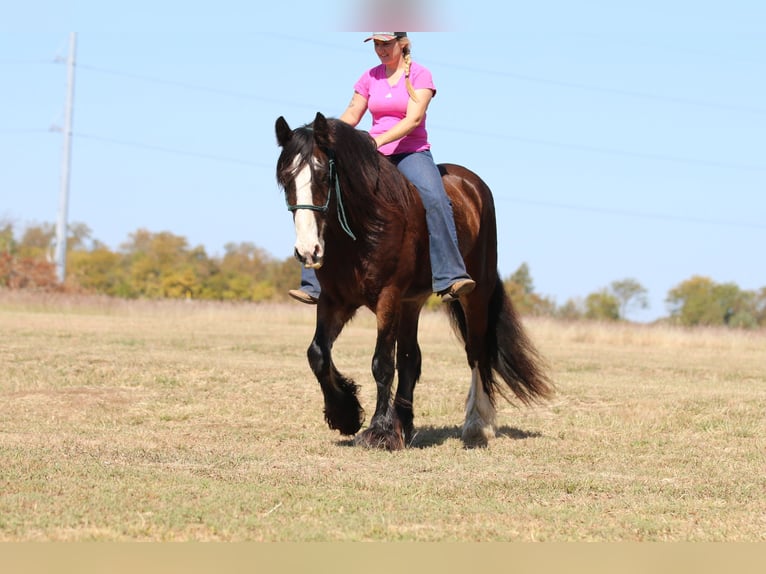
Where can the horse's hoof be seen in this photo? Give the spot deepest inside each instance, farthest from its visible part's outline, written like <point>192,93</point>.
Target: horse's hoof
<point>346,427</point>
<point>372,438</point>
<point>477,436</point>
<point>344,415</point>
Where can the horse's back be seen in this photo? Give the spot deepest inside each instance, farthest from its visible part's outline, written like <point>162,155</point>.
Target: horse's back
<point>465,186</point>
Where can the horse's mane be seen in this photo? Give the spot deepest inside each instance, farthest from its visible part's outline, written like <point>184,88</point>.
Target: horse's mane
<point>373,177</point>
<point>375,193</point>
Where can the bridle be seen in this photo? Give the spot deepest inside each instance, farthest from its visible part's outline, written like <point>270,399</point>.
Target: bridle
<point>334,183</point>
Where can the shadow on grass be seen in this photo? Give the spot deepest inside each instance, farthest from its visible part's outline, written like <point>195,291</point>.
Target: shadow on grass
<point>426,437</point>
<point>429,436</point>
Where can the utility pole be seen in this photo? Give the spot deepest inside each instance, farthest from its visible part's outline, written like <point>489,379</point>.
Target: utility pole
<point>61,224</point>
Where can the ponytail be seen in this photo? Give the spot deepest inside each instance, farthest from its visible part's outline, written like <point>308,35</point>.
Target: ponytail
<point>405,43</point>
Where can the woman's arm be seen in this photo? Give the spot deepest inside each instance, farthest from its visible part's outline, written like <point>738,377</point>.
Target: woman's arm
<point>416,111</point>
<point>355,110</point>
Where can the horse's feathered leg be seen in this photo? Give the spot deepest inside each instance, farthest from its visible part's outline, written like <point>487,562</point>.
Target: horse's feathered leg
<point>497,347</point>
<point>471,322</point>
<point>385,430</point>
<point>479,425</point>
<point>408,365</point>
<point>342,410</point>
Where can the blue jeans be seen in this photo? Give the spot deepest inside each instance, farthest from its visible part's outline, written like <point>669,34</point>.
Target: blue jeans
<point>447,265</point>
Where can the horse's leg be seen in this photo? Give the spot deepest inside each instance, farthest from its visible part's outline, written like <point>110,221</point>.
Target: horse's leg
<point>408,365</point>
<point>501,356</point>
<point>342,410</point>
<point>384,431</point>
<point>479,425</point>
<point>480,414</point>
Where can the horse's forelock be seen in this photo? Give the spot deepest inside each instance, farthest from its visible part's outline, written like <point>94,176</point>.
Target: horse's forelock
<point>295,153</point>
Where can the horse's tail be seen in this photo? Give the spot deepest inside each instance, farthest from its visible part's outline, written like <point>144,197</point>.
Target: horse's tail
<point>506,351</point>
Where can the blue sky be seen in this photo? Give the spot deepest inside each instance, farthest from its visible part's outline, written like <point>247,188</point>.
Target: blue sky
<point>620,139</point>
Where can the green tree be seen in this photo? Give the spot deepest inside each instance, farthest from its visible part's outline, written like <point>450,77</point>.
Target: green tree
<point>24,264</point>
<point>243,269</point>
<point>244,258</point>
<point>7,239</point>
<point>241,275</point>
<point>571,310</point>
<point>523,278</point>
<point>630,294</point>
<point>738,306</point>
<point>692,302</point>
<point>162,265</point>
<point>99,270</point>
<point>701,301</point>
<point>759,307</point>
<point>78,237</point>
<point>602,306</point>
<point>521,291</point>
<point>37,242</point>
<point>283,275</point>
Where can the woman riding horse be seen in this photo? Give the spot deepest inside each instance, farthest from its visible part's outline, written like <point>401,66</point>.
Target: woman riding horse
<point>397,93</point>
<point>362,225</point>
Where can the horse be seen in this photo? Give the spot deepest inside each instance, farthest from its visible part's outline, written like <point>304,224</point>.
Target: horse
<point>360,223</point>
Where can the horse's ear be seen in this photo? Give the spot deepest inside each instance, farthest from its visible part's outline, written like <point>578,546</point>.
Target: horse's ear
<point>284,133</point>
<point>321,131</point>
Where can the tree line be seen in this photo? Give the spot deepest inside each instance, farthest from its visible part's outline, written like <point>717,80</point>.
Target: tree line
<point>157,265</point>
<point>697,301</point>
<point>148,265</point>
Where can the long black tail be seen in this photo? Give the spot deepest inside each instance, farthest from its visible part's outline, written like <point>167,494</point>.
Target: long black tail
<point>507,352</point>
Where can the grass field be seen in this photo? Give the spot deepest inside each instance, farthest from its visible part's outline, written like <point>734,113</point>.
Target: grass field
<point>166,421</point>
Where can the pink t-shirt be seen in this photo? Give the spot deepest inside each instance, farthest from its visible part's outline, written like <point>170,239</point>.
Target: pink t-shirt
<point>388,105</point>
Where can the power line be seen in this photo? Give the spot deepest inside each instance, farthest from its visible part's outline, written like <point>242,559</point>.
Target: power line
<point>496,73</point>
<point>25,61</point>
<point>571,85</point>
<point>140,145</point>
<point>605,150</point>
<point>670,48</point>
<point>504,136</point>
<point>613,91</point>
<point>196,87</point>
<point>570,146</point>
<point>513,75</point>
<point>635,214</point>
<point>23,131</point>
<point>149,147</point>
<point>573,207</point>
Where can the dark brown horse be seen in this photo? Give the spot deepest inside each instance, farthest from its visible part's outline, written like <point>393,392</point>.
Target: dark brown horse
<point>362,226</point>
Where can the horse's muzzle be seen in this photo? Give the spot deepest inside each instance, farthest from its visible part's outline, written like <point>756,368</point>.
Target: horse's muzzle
<point>311,262</point>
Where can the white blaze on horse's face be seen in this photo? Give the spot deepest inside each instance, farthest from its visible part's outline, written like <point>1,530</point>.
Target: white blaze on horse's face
<point>309,244</point>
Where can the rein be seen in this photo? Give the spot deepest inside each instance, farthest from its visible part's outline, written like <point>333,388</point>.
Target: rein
<point>333,184</point>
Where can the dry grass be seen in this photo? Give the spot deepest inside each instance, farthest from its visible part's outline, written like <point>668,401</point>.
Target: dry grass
<point>192,421</point>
